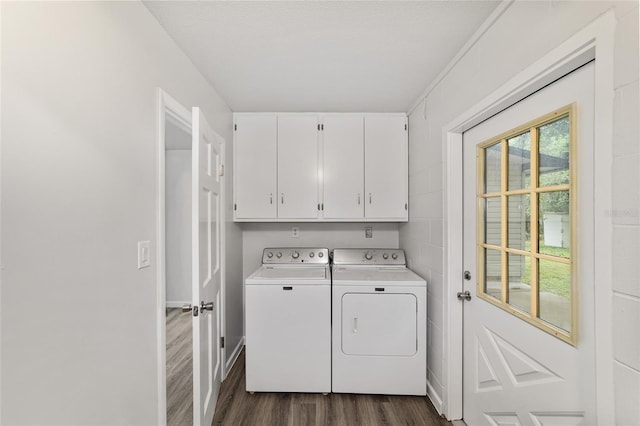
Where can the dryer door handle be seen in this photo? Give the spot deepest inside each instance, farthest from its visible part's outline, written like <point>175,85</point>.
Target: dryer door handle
<point>355,325</point>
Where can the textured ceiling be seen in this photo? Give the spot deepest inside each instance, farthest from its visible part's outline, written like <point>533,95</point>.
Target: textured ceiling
<point>339,56</point>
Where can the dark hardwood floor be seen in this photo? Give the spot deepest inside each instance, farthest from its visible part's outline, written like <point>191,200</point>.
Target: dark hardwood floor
<point>179,368</point>
<point>238,407</point>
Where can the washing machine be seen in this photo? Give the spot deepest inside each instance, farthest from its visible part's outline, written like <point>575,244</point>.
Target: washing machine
<point>379,324</point>
<point>288,322</point>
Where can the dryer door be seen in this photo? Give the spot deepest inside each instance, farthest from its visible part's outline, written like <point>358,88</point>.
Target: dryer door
<point>379,324</point>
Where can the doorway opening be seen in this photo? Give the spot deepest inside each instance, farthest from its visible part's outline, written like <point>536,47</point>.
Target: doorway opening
<point>178,261</point>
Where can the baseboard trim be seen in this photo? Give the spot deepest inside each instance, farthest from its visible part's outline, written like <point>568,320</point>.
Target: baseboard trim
<point>234,356</point>
<point>435,398</point>
<point>177,304</point>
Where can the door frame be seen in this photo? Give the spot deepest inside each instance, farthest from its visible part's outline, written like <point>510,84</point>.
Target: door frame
<point>593,42</point>
<point>166,105</point>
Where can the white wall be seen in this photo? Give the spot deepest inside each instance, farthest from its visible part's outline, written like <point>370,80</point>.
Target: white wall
<point>257,236</point>
<point>78,173</point>
<point>178,226</point>
<point>504,50</point>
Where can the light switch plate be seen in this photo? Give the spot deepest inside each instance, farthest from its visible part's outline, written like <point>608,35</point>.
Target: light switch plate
<point>144,254</point>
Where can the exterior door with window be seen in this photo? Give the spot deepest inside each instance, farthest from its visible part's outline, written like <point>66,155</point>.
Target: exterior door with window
<point>529,352</point>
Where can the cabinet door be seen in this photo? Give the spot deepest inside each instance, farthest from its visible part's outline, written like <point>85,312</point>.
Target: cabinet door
<point>297,167</point>
<point>255,167</point>
<point>343,170</point>
<point>386,164</point>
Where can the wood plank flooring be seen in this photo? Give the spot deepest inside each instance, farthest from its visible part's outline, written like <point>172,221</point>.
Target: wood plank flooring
<point>179,368</point>
<point>238,407</point>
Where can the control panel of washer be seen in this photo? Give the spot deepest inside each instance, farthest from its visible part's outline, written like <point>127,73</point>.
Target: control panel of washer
<point>376,256</point>
<point>295,255</point>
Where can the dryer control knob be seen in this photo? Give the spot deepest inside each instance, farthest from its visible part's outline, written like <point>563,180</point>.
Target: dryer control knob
<point>368,255</point>
<point>394,256</point>
<point>269,255</point>
<point>312,254</point>
<point>295,255</point>
<point>385,256</point>
<point>279,255</point>
<point>321,254</point>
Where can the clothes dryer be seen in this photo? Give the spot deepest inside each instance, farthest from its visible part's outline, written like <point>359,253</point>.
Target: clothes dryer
<point>379,324</point>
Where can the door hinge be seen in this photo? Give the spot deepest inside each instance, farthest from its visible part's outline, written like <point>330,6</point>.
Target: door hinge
<point>235,127</point>
<point>221,342</point>
<point>464,295</point>
<point>221,173</point>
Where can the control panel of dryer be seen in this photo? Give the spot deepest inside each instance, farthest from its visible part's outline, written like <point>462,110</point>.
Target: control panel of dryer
<point>295,255</point>
<point>376,256</point>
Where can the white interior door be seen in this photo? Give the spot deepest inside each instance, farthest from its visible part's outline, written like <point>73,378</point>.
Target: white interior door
<point>206,249</point>
<point>516,373</point>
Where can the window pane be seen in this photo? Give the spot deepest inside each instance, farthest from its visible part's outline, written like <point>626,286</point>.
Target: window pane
<point>492,218</point>
<point>555,293</point>
<point>492,168</point>
<point>554,223</point>
<point>519,161</point>
<point>493,273</point>
<point>553,159</point>
<point>520,282</point>
<point>518,221</point>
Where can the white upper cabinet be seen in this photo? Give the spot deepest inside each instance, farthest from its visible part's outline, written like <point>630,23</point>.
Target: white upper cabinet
<point>343,168</point>
<point>297,167</point>
<point>386,167</point>
<point>320,167</point>
<point>255,161</point>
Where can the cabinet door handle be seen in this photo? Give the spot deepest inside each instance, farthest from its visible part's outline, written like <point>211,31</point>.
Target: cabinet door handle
<point>358,198</point>
<point>355,325</point>
<point>369,198</point>
<point>271,198</point>
<point>282,198</point>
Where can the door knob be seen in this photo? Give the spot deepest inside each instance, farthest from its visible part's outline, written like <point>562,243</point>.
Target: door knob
<point>206,306</point>
<point>191,309</point>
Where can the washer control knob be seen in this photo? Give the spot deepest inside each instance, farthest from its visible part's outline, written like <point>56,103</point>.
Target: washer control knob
<point>321,254</point>
<point>279,255</point>
<point>270,255</point>
<point>312,254</point>
<point>394,256</point>
<point>295,255</point>
<point>368,255</point>
<point>385,256</point>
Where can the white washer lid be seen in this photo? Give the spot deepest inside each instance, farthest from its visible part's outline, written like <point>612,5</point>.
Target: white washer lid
<point>290,274</point>
<point>381,276</point>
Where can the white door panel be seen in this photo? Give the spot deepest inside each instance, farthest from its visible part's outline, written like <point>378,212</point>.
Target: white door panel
<point>515,373</point>
<point>379,324</point>
<point>206,247</point>
<point>343,171</point>
<point>297,167</point>
<point>255,161</point>
<point>386,167</point>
